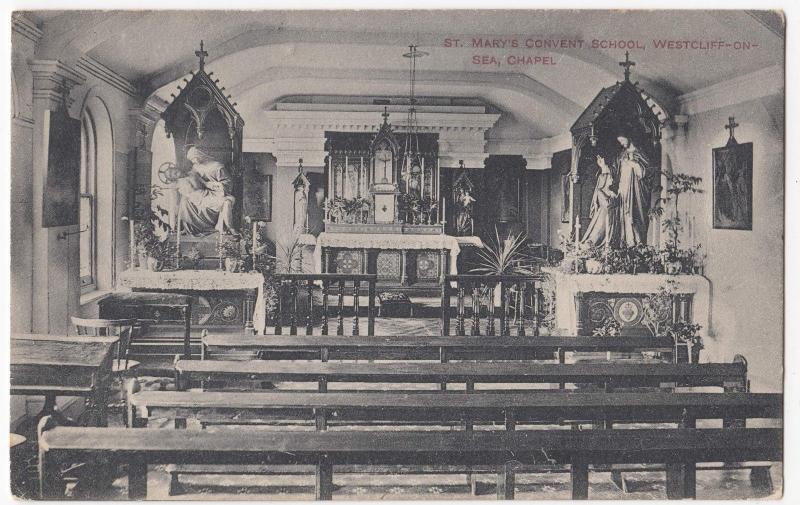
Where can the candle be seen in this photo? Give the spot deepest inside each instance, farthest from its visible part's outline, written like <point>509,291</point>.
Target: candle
<point>178,242</point>
<point>444,206</point>
<point>422,180</point>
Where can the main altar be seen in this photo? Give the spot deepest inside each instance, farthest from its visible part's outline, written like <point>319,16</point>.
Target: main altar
<point>385,208</point>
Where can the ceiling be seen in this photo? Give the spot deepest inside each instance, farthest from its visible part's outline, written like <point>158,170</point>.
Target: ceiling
<point>262,56</point>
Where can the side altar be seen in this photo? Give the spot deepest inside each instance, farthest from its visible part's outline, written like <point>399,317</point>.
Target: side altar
<point>585,302</point>
<point>220,298</point>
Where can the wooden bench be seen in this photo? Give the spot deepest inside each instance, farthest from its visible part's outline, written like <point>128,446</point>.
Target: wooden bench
<point>680,448</point>
<point>439,348</point>
<point>608,375</point>
<point>508,409</point>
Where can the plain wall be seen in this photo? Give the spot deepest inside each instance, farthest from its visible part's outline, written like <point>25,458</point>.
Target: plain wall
<point>745,267</point>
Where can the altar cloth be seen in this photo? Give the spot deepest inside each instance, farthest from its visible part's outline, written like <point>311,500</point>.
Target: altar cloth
<point>568,284</point>
<point>199,280</point>
<point>393,241</point>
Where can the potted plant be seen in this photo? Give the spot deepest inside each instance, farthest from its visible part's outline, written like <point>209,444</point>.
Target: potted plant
<point>686,334</point>
<point>504,257</point>
<point>191,260</point>
<point>152,251</point>
<point>230,250</point>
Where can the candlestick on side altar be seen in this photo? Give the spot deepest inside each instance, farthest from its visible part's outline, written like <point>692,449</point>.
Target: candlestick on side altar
<point>131,239</point>
<point>255,241</point>
<point>178,243</point>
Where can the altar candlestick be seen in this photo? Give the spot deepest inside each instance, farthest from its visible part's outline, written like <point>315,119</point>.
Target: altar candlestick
<point>344,176</point>
<point>444,206</point>
<point>178,242</point>
<point>422,180</point>
<point>438,179</point>
<point>255,241</point>
<point>131,239</point>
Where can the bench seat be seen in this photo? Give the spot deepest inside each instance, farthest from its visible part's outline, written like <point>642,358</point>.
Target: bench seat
<point>506,450</point>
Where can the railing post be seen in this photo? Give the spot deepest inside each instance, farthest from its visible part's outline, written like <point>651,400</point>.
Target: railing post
<point>460,330</point>
<point>521,310</point>
<point>476,309</point>
<point>324,329</point>
<point>445,306</point>
<point>355,306</point>
<point>310,300</point>
<point>293,307</point>
<point>490,309</point>
<point>340,316</point>
<point>371,308</point>
<point>279,315</point>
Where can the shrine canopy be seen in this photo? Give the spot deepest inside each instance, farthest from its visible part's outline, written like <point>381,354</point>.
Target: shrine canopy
<point>622,107</point>
<point>202,115</point>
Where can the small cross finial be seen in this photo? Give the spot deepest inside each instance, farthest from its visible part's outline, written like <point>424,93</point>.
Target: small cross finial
<point>732,124</point>
<point>202,55</point>
<point>627,64</point>
<point>385,114</point>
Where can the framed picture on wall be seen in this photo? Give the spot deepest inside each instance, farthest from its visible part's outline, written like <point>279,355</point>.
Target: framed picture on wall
<point>62,180</point>
<point>733,186</point>
<point>257,188</point>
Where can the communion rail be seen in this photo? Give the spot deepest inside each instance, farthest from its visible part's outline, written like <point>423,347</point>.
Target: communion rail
<point>294,290</point>
<point>514,294</point>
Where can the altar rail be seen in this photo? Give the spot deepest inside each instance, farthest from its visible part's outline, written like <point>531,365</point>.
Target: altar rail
<point>292,287</point>
<point>517,294</point>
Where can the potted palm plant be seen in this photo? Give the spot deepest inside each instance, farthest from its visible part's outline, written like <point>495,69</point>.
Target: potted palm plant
<point>504,257</point>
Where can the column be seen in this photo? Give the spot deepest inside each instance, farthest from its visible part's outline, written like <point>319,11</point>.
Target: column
<point>56,281</point>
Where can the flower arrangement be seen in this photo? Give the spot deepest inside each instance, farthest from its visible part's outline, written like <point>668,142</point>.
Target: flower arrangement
<point>153,251</point>
<point>348,210</point>
<point>609,328</point>
<point>657,309</point>
<point>683,332</point>
<point>678,184</point>
<point>233,251</point>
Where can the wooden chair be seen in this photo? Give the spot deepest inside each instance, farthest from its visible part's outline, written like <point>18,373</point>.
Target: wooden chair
<point>122,367</point>
<point>122,328</point>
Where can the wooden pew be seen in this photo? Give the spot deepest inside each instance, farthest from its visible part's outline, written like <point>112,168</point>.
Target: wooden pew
<point>608,375</point>
<point>440,348</point>
<point>510,408</point>
<point>324,450</point>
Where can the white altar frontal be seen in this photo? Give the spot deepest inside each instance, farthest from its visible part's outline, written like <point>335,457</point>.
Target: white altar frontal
<point>219,297</point>
<point>585,301</point>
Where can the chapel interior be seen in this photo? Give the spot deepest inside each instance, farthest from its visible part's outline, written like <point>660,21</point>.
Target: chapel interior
<point>214,176</point>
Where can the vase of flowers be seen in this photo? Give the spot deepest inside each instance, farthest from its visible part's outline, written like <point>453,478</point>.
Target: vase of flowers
<point>230,250</point>
<point>686,335</point>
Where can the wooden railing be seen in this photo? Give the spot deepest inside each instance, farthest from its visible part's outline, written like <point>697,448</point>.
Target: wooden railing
<point>520,297</point>
<point>293,288</point>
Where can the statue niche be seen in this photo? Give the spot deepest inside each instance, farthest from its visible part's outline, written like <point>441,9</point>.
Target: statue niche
<point>207,133</point>
<point>616,166</point>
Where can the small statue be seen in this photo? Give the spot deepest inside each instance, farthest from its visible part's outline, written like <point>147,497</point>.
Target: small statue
<point>464,222</point>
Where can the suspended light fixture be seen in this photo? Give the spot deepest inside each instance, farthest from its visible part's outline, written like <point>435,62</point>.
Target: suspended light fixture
<point>412,165</point>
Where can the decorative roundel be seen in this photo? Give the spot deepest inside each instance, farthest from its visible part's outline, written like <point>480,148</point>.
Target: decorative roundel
<point>227,312</point>
<point>599,311</point>
<point>628,311</point>
<point>200,98</point>
<point>168,173</point>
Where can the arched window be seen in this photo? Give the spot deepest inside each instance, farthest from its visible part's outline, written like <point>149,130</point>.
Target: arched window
<point>88,209</point>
